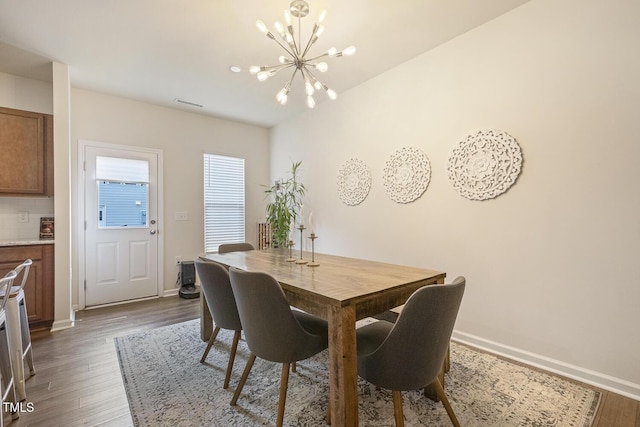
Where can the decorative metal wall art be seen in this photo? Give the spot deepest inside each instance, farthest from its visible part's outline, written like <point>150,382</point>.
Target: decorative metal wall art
<point>407,174</point>
<point>484,164</point>
<point>354,182</point>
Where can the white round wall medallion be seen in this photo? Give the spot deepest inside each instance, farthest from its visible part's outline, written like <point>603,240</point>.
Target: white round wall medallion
<point>354,182</point>
<point>407,174</point>
<point>484,164</point>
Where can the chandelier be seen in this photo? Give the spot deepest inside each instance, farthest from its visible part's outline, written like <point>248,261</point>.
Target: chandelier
<point>297,54</point>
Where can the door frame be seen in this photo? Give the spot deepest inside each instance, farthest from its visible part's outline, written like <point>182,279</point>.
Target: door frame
<point>80,209</point>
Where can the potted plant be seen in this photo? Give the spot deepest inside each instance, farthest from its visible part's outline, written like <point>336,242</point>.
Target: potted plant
<point>287,196</point>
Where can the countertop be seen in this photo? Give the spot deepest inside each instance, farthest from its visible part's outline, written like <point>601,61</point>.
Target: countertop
<point>25,242</point>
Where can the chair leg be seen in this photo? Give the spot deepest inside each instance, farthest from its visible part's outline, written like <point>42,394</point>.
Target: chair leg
<point>232,356</point>
<point>212,338</point>
<point>26,337</point>
<point>284,383</point>
<point>397,408</point>
<point>243,379</point>
<point>294,367</point>
<point>445,401</point>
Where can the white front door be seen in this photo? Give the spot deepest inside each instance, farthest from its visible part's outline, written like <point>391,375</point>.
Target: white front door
<point>121,235</point>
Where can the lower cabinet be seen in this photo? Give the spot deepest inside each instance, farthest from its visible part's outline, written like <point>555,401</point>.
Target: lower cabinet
<point>39,287</point>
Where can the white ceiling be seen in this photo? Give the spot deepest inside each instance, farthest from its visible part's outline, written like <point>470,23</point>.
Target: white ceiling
<point>160,50</point>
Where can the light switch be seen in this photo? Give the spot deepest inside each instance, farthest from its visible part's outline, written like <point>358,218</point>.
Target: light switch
<point>182,216</point>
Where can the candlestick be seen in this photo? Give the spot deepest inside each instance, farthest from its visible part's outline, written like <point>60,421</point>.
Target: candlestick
<point>290,245</point>
<point>301,261</point>
<point>313,262</point>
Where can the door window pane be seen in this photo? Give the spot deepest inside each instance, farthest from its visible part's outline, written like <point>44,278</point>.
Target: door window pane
<point>122,204</point>
<point>123,192</point>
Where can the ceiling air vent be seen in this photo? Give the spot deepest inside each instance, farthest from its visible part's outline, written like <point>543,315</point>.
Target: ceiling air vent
<point>193,104</point>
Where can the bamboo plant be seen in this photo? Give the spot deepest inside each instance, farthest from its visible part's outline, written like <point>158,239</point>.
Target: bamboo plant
<point>284,207</point>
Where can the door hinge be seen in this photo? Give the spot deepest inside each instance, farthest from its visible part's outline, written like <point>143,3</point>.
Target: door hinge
<point>85,285</point>
<point>85,226</point>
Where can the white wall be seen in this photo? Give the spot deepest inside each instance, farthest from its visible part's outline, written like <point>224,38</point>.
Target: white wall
<point>25,94</point>
<point>553,264</point>
<point>183,137</point>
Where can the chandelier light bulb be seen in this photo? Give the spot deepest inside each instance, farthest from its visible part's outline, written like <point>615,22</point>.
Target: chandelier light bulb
<point>282,59</point>
<point>263,75</point>
<point>282,96</point>
<point>351,50</point>
<point>287,17</point>
<point>322,67</point>
<point>319,31</point>
<point>317,85</point>
<point>310,102</point>
<point>262,27</point>
<point>254,69</point>
<point>279,28</point>
<point>308,87</point>
<point>332,94</point>
<point>323,15</point>
<point>332,51</point>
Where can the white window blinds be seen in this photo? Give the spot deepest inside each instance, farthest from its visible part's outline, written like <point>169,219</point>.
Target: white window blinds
<point>223,201</point>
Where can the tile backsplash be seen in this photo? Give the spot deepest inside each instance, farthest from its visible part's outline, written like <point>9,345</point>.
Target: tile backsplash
<point>20,216</point>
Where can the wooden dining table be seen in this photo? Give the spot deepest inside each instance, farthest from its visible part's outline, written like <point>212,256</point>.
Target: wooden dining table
<point>340,290</point>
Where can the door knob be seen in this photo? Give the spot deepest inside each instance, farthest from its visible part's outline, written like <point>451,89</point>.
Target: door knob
<point>152,232</point>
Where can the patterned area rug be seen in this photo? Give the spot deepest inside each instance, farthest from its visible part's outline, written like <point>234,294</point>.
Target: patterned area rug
<point>167,386</point>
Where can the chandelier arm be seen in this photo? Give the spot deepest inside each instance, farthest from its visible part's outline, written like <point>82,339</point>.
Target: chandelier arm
<point>314,77</point>
<point>278,67</point>
<point>293,75</point>
<point>293,45</point>
<point>293,55</point>
<point>317,57</point>
<point>311,41</point>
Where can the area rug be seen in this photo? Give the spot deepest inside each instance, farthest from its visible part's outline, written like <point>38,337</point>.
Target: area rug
<point>166,385</point>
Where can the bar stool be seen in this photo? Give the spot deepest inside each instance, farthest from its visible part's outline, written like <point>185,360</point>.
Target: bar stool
<point>18,331</point>
<point>8,389</point>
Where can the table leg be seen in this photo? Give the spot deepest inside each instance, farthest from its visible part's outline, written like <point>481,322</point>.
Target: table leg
<point>343,367</point>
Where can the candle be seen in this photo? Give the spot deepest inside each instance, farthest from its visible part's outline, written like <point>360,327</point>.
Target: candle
<point>301,217</point>
<point>311,222</point>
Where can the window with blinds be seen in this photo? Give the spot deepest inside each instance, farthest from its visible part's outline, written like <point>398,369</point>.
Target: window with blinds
<point>223,201</point>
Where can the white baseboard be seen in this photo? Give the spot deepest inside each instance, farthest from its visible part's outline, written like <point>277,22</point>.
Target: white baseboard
<point>170,292</point>
<point>60,325</point>
<point>597,379</point>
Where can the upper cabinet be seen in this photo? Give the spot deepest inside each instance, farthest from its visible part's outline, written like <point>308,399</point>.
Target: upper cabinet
<point>26,153</point>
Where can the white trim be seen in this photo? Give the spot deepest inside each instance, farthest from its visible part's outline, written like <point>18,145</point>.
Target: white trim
<point>80,232</point>
<point>62,325</point>
<point>171,292</point>
<point>597,379</point>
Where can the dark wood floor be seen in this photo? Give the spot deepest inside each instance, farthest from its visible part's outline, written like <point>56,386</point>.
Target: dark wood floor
<point>78,379</point>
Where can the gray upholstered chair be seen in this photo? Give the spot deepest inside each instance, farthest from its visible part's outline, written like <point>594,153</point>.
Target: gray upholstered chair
<point>273,331</point>
<point>409,354</point>
<point>214,281</point>
<point>234,247</point>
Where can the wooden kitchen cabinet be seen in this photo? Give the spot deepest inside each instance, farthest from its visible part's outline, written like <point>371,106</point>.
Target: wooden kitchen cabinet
<point>26,153</point>
<point>39,288</point>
